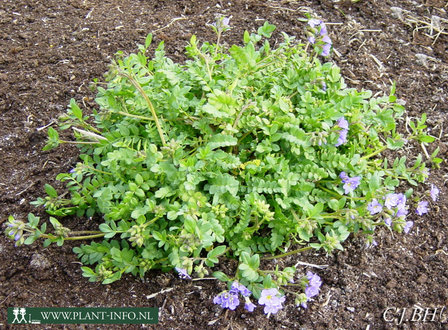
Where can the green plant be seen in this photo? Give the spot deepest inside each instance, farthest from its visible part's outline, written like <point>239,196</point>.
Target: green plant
<point>252,153</point>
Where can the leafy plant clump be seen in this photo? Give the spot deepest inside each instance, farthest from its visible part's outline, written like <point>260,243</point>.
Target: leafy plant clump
<point>251,152</point>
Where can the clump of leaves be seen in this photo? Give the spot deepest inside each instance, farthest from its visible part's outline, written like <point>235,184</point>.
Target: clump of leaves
<point>243,152</point>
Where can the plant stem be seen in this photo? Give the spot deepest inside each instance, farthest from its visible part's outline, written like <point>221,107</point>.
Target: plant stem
<point>78,142</point>
<point>148,101</point>
<point>77,238</point>
<point>83,232</point>
<point>374,153</point>
<point>287,253</point>
<point>134,116</point>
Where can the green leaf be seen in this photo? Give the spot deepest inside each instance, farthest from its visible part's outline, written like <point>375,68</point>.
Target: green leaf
<point>248,273</point>
<point>221,276</point>
<point>50,191</point>
<point>266,30</point>
<point>148,40</point>
<point>213,255</point>
<point>426,138</point>
<point>221,140</point>
<point>76,110</point>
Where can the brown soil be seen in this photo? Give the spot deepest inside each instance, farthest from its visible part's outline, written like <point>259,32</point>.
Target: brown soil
<point>51,50</point>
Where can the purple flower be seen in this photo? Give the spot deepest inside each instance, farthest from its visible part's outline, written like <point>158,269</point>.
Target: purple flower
<point>422,207</point>
<point>314,283</point>
<point>17,236</point>
<point>249,305</point>
<point>391,200</point>
<point>401,212</point>
<point>327,39</point>
<point>434,192</point>
<point>350,184</point>
<point>227,300</point>
<point>408,226</point>
<point>342,138</point>
<point>388,221</point>
<point>182,273</point>
<point>319,29</point>
<point>374,207</point>
<point>324,86</point>
<point>323,31</point>
<point>239,288</point>
<point>342,123</point>
<point>225,22</point>
<point>314,22</point>
<point>271,300</point>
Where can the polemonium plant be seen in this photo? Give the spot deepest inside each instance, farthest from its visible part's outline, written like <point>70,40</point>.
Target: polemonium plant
<point>252,152</point>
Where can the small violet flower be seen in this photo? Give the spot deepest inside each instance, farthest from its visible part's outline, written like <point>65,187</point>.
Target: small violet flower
<point>388,221</point>
<point>249,305</point>
<point>374,207</point>
<point>319,30</point>
<point>239,288</point>
<point>422,207</point>
<point>271,301</point>
<point>408,226</point>
<point>350,184</point>
<point>227,299</point>
<point>342,123</point>
<point>183,273</point>
<point>314,283</point>
<point>391,200</point>
<point>434,192</point>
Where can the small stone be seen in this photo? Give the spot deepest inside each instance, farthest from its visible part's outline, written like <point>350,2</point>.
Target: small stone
<point>38,261</point>
<point>422,279</point>
<point>397,12</point>
<point>391,284</point>
<point>351,309</point>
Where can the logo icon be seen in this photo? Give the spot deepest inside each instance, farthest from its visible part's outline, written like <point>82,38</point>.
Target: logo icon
<point>19,316</point>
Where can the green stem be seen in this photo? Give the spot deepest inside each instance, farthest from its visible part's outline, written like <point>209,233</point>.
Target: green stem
<point>77,238</point>
<point>82,232</point>
<point>148,101</point>
<point>96,170</point>
<point>374,153</point>
<point>206,64</point>
<point>287,253</point>
<point>134,116</point>
<point>78,142</point>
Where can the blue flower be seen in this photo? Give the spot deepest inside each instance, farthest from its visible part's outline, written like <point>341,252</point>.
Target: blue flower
<point>271,300</point>
<point>391,200</point>
<point>342,123</point>
<point>239,288</point>
<point>249,305</point>
<point>227,299</point>
<point>408,226</point>
<point>434,192</point>
<point>182,273</point>
<point>374,207</point>
<point>350,184</point>
<point>422,207</point>
<point>318,29</point>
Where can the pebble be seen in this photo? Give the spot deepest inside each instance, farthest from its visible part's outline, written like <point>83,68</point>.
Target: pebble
<point>38,261</point>
<point>397,12</point>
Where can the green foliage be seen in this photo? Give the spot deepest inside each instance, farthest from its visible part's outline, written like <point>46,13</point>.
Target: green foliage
<point>231,153</point>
